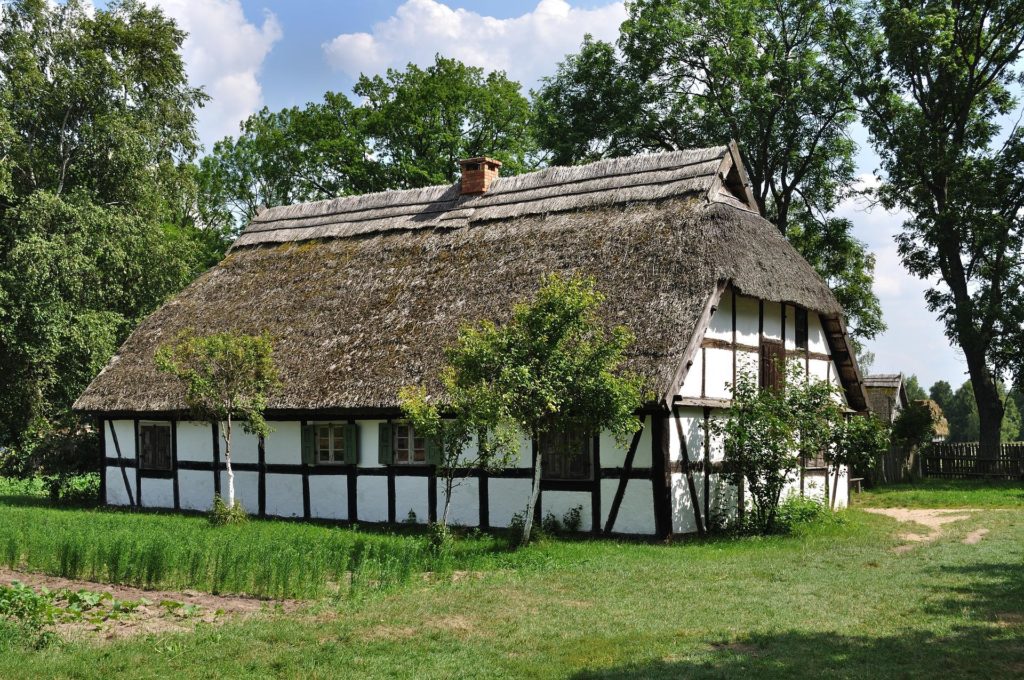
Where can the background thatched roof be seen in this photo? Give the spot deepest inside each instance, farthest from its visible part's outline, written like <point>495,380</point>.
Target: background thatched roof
<point>363,294</point>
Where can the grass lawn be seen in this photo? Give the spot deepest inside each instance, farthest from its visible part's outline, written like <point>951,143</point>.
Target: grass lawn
<point>834,600</point>
<point>946,493</point>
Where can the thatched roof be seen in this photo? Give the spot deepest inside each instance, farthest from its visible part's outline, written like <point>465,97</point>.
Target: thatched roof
<point>940,425</point>
<point>886,394</point>
<point>362,294</point>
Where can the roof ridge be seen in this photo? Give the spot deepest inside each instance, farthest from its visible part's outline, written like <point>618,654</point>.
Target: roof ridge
<point>633,165</point>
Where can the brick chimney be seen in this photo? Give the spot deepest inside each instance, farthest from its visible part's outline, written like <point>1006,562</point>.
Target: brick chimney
<point>477,174</point>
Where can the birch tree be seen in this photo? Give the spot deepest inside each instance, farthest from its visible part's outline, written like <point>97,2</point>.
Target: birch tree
<point>227,378</point>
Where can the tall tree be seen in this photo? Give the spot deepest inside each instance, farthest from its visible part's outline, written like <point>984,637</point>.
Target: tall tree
<point>410,130</point>
<point>914,390</point>
<point>699,72</point>
<point>942,394</point>
<point>96,132</point>
<point>293,155</point>
<point>423,120</point>
<point>936,81</point>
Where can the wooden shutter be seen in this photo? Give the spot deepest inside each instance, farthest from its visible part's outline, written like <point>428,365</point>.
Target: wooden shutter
<point>308,444</point>
<point>433,451</point>
<point>773,365</point>
<point>351,444</point>
<point>385,445</point>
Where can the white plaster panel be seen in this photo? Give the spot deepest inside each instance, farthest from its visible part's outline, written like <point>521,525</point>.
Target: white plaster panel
<point>465,506</point>
<point>747,321</point>
<point>195,489</point>
<point>718,373</point>
<point>819,369</point>
<point>772,320</point>
<point>748,363</point>
<point>613,455</point>
<point>723,499</point>
<point>247,489</point>
<point>116,493</point>
<point>284,444</point>
<point>245,447</point>
<point>720,326</point>
<point>560,502</point>
<point>125,438</point>
<point>692,382</point>
<point>411,494</point>
<point>814,485</point>
<point>790,327</point>
<point>284,495</point>
<point>328,496</point>
<point>692,420</point>
<point>369,431</point>
<point>816,335</point>
<point>507,497</point>
<point>372,496</point>
<point>157,493</point>
<point>717,444</point>
<point>636,513</point>
<point>683,520</point>
<point>195,441</point>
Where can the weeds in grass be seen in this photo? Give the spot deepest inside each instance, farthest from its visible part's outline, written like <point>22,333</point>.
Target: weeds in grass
<point>262,558</point>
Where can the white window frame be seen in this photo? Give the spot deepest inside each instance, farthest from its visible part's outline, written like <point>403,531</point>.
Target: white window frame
<point>406,430</point>
<point>335,443</point>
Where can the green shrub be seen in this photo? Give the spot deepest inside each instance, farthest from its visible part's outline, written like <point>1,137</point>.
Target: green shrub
<point>550,524</point>
<point>222,515</point>
<point>797,510</point>
<point>572,520</point>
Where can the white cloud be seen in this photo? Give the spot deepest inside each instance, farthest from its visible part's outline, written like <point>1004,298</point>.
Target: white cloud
<point>224,52</point>
<point>526,47</point>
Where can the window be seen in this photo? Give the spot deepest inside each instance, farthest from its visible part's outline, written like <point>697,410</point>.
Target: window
<point>409,446</point>
<point>330,443</point>
<point>801,328</point>
<point>154,446</point>
<point>773,365</point>
<point>565,456</point>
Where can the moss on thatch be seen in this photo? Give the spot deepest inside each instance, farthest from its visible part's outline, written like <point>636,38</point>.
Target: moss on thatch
<point>360,312</point>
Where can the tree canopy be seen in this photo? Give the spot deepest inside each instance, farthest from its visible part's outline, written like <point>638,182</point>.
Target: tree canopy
<point>699,72</point>
<point>409,130</point>
<point>935,80</point>
<point>97,201</point>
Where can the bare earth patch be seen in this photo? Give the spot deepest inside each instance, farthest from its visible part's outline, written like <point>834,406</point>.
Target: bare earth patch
<point>933,520</point>
<point>164,612</point>
<point>975,536</point>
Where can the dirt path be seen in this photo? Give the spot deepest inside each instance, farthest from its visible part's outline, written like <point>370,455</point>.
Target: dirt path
<point>933,520</point>
<point>158,611</point>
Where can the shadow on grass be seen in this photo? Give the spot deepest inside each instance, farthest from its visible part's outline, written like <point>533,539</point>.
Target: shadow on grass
<point>970,651</point>
<point>986,641</point>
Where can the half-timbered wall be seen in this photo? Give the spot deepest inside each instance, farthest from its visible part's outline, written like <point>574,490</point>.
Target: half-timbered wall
<point>667,479</point>
<point>271,480</point>
<point>737,328</point>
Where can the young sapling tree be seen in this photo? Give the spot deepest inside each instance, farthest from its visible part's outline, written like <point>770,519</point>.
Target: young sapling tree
<point>227,377</point>
<point>553,368</point>
<point>452,436</point>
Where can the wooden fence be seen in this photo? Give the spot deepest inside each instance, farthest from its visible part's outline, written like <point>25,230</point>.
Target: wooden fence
<point>963,461</point>
<point>898,464</point>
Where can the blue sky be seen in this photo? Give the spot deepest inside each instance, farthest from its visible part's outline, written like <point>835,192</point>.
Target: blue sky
<point>278,53</point>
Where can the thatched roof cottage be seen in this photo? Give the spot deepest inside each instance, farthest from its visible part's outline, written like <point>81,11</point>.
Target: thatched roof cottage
<point>886,395</point>
<point>364,293</point>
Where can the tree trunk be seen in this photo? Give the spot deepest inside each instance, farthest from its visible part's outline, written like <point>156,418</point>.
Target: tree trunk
<point>825,499</point>
<point>990,408</point>
<point>835,488</point>
<point>447,501</point>
<point>227,463</point>
<point>534,494</point>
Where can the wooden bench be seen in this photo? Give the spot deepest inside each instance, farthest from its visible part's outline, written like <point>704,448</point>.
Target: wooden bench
<point>855,484</point>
